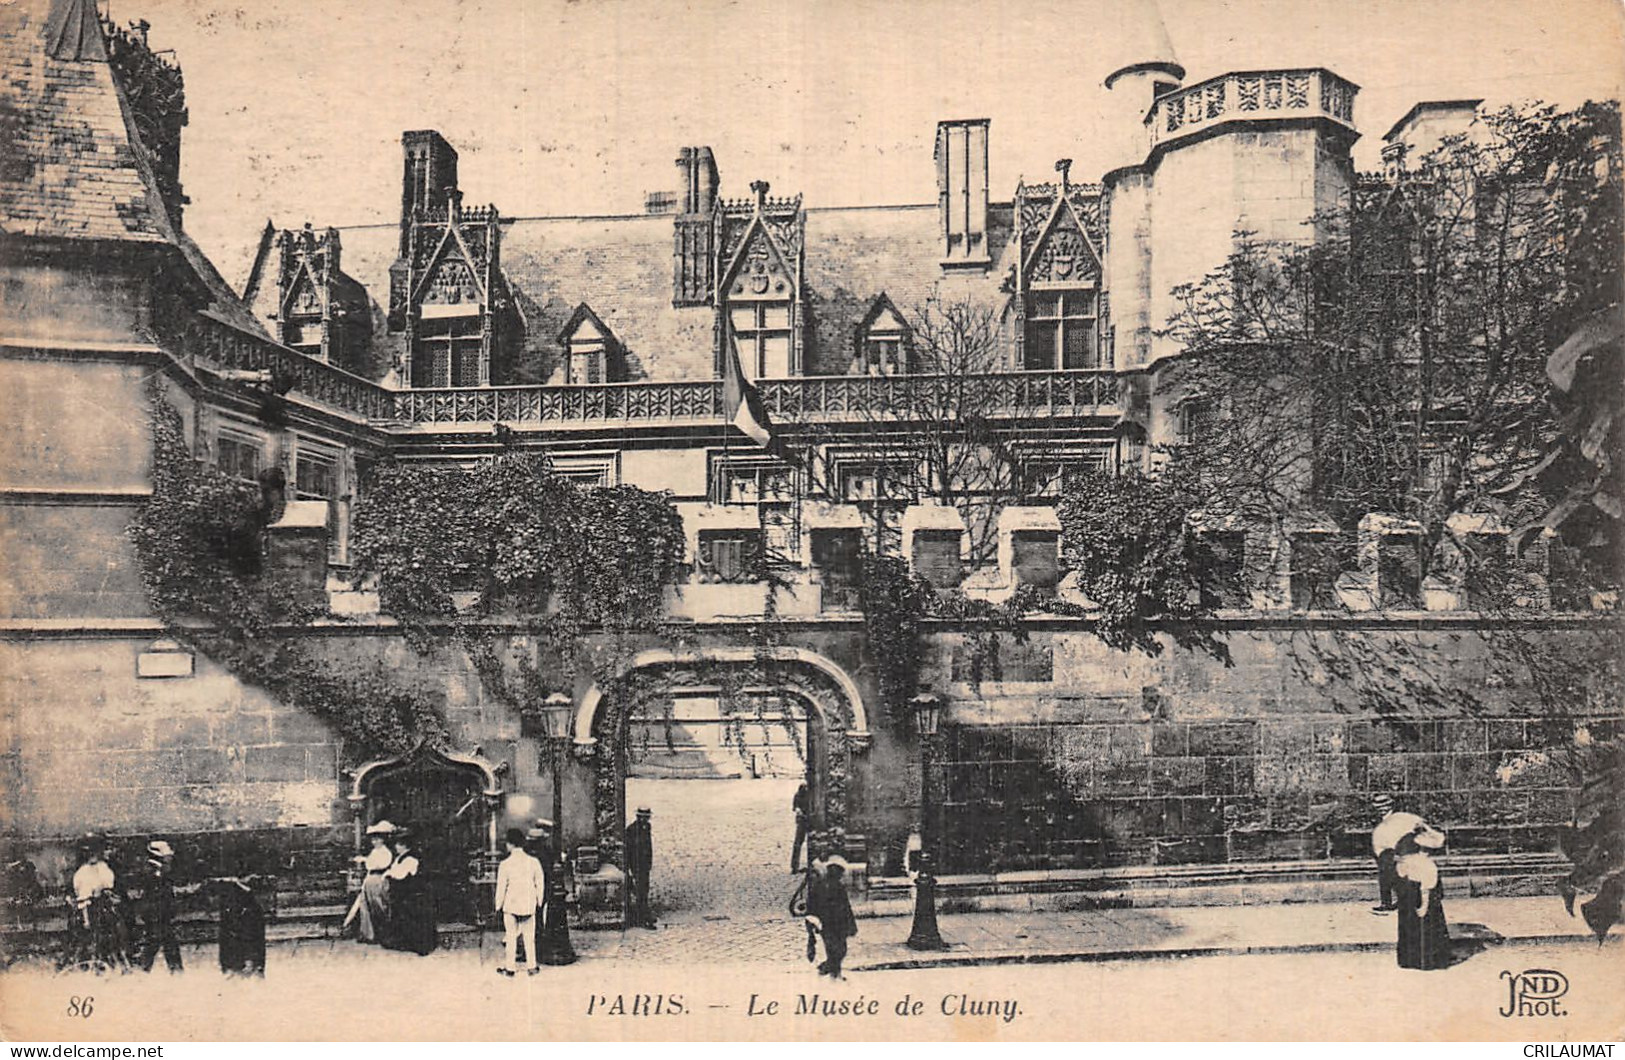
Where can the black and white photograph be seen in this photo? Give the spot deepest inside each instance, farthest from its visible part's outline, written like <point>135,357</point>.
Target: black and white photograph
<point>812,520</point>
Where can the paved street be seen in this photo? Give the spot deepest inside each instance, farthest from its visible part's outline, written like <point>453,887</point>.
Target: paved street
<point>355,994</point>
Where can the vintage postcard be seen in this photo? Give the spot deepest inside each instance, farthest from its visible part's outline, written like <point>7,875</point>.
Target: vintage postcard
<point>796,521</point>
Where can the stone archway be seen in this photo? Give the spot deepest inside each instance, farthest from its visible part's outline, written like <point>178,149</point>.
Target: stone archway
<point>834,706</point>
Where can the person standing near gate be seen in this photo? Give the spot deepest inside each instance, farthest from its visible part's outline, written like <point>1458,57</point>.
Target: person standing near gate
<point>640,859</point>
<point>157,909</point>
<point>521,887</point>
<point>802,805</point>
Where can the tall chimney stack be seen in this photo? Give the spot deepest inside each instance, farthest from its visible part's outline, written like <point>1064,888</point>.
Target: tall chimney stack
<point>961,157</point>
<point>428,178</point>
<point>694,239</point>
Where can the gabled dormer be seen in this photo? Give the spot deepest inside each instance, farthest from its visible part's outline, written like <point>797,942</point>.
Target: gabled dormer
<point>446,289</point>
<point>320,311</point>
<point>591,353</point>
<point>1059,303</point>
<point>760,288</point>
<point>883,342</point>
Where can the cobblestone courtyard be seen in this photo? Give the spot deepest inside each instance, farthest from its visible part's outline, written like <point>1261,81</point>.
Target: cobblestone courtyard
<point>721,849</point>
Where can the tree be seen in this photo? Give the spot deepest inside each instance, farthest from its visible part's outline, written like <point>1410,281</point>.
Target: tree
<point>1447,352</point>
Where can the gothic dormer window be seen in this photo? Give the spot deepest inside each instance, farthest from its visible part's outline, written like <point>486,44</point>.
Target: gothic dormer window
<point>321,312</point>
<point>1058,295</point>
<point>1061,331</point>
<point>883,343</point>
<point>591,353</point>
<point>762,240</point>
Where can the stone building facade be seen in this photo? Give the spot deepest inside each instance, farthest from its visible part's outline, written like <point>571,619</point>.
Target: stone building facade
<point>601,342</point>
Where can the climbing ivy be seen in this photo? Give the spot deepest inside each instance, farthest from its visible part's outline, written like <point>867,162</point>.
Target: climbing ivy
<point>199,542</point>
<point>521,542</point>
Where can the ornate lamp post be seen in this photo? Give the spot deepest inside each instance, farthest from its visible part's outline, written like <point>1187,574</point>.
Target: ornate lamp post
<point>927,708</point>
<point>554,946</point>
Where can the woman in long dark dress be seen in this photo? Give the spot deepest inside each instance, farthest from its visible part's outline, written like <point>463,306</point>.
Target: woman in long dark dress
<point>242,928</point>
<point>411,924</point>
<point>1424,937</point>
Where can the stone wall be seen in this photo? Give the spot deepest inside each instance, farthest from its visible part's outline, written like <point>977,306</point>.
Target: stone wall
<point>1081,756</point>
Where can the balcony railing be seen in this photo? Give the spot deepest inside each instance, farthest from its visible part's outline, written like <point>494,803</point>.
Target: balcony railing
<point>1280,94</point>
<point>1078,392</point>
<point>808,398</point>
<point>314,380</point>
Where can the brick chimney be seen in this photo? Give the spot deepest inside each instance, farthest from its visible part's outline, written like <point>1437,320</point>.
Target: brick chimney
<point>694,240</point>
<point>961,157</point>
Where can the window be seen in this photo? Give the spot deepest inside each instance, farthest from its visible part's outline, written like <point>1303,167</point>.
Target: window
<point>1195,420</point>
<point>770,486</point>
<point>239,455</point>
<point>882,342</point>
<point>586,364</point>
<point>1061,331</point>
<point>448,350</point>
<point>588,470</point>
<point>762,330</point>
<point>881,492</point>
<point>316,475</point>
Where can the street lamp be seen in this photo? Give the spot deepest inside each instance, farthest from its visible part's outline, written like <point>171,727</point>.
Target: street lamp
<point>554,947</point>
<point>927,710</point>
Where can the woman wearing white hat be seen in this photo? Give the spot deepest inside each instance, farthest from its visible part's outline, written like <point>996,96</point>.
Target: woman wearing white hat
<point>1424,937</point>
<point>371,909</point>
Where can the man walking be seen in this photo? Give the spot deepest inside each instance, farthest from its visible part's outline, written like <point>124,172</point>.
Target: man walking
<point>521,886</point>
<point>829,913</point>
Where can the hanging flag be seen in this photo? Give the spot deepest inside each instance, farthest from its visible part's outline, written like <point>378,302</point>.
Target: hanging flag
<point>741,404</point>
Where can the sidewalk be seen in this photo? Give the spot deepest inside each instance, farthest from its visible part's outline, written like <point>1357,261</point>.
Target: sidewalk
<point>1090,935</point>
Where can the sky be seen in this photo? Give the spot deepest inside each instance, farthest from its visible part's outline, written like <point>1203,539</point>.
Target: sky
<point>562,107</point>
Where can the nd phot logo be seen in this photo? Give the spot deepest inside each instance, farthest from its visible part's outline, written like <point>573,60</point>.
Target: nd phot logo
<point>1534,992</point>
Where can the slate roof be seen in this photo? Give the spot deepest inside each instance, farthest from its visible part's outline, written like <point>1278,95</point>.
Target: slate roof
<point>621,267</point>
<point>71,163</point>
<point>67,166</point>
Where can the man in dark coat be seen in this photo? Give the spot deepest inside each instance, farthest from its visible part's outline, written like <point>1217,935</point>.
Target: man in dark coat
<point>829,911</point>
<point>157,909</point>
<point>639,862</point>
<point>802,805</point>
<point>242,928</point>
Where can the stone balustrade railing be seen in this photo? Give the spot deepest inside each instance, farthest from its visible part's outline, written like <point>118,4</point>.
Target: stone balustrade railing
<point>1280,94</point>
<point>230,347</point>
<point>806,398</point>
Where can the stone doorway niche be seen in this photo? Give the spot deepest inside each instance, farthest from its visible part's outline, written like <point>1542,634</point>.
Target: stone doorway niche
<point>449,803</point>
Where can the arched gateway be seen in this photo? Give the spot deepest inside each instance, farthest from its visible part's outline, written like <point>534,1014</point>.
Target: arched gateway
<point>837,728</point>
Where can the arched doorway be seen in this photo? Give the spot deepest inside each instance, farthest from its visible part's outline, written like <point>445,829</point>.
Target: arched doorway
<point>448,803</point>
<point>804,691</point>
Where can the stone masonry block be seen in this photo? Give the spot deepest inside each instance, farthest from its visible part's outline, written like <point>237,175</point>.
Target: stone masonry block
<point>240,729</point>
<point>296,726</point>
<point>186,730</point>
<point>282,762</point>
<point>1427,772</point>
<point>1500,807</point>
<point>1551,806</point>
<point>1447,809</point>
<point>207,765</point>
<point>1187,817</point>
<point>1473,772</point>
<point>1287,739</point>
<point>1331,737</point>
<point>1386,773</point>
<point>1370,737</point>
<point>1177,776</point>
<point>1168,739</point>
<point>1465,736</point>
<point>1223,738</point>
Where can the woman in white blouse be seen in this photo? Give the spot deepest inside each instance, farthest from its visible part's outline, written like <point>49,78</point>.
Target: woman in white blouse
<point>1424,937</point>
